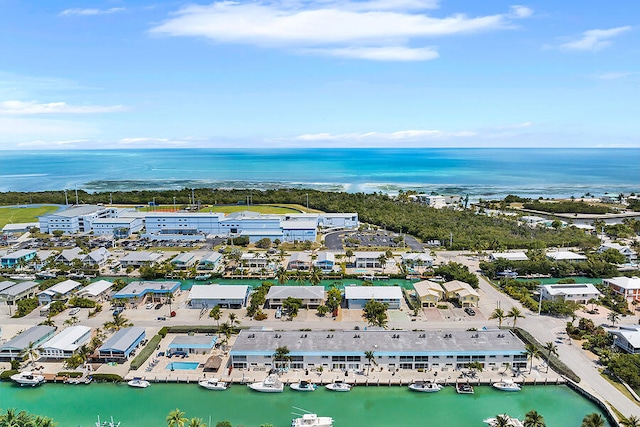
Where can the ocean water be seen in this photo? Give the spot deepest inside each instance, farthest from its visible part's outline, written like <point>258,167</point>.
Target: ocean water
<point>477,172</point>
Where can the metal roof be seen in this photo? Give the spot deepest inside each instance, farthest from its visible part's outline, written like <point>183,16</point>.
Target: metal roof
<point>95,288</point>
<point>193,341</point>
<point>218,292</point>
<point>301,292</point>
<point>69,339</point>
<point>372,292</point>
<point>19,288</point>
<point>123,339</point>
<point>31,335</point>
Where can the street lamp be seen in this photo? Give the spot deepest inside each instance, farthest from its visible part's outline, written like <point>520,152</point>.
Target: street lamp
<point>539,301</point>
<point>174,203</point>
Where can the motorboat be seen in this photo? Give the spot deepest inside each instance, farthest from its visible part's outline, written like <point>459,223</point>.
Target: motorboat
<point>45,275</point>
<point>107,423</point>
<point>139,382</point>
<point>338,386</point>
<point>271,384</point>
<point>203,277</point>
<point>511,422</point>
<point>213,384</point>
<point>312,420</point>
<point>464,388</point>
<point>425,386</point>
<point>28,378</point>
<point>303,386</point>
<point>23,276</point>
<point>506,385</point>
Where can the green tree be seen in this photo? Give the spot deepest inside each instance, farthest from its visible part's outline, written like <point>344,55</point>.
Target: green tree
<point>593,420</point>
<point>632,421</point>
<point>502,421</point>
<point>233,319</point>
<point>532,352</point>
<point>498,314</point>
<point>322,310</point>
<point>282,275</point>
<point>292,306</point>
<point>550,348</point>
<point>371,358</point>
<point>118,322</point>
<point>613,317</point>
<point>224,424</point>
<point>534,419</point>
<point>176,418</point>
<point>30,352</point>
<point>375,313</point>
<point>515,314</point>
<point>281,357</point>
<point>216,314</point>
<point>349,254</point>
<point>334,299</point>
<point>196,422</point>
<point>315,276</point>
<point>382,260</point>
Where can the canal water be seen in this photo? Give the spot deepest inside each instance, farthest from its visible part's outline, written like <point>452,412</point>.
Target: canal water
<point>80,405</point>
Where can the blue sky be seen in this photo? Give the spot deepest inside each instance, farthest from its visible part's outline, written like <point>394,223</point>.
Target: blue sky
<point>327,73</point>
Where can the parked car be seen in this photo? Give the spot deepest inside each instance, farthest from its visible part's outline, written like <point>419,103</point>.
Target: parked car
<point>470,311</point>
<point>158,306</point>
<point>149,306</point>
<point>74,311</point>
<point>118,311</point>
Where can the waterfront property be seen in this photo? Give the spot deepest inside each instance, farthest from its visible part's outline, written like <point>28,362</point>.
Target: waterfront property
<point>255,260</point>
<point>64,344</point>
<point>210,261</point>
<point>299,261</point>
<point>184,260</point>
<point>325,261</point>
<point>509,256</point>
<point>10,296</point>
<point>367,259</point>
<point>147,291</point>
<point>97,290</point>
<point>629,287</point>
<point>628,253</point>
<point>6,285</point>
<point>120,345</point>
<point>566,256</point>
<point>96,258</point>
<point>192,344</point>
<point>67,256</point>
<point>345,350</point>
<point>578,292</point>
<point>140,258</point>
<point>17,258</point>
<point>461,291</point>
<point>227,296</point>
<point>357,296</point>
<point>429,293</point>
<point>627,338</point>
<point>59,291</point>
<point>311,296</point>
<point>33,337</point>
<point>417,259</point>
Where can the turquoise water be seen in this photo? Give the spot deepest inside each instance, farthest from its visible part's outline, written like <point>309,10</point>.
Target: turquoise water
<point>486,173</point>
<point>183,366</point>
<point>363,406</point>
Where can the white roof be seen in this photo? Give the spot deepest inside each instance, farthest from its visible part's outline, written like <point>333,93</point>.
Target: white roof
<point>8,228</point>
<point>565,256</point>
<point>301,292</point>
<point>18,254</point>
<point>79,210</point>
<point>372,292</point>
<point>618,247</point>
<point>67,339</point>
<point>63,287</point>
<point>417,256</point>
<point>142,256</point>
<point>299,224</point>
<point>212,257</point>
<point>95,288</point>
<point>456,285</point>
<point>632,337</point>
<point>300,256</point>
<point>571,289</point>
<point>625,282</point>
<point>427,287</point>
<point>218,292</point>
<point>71,254</point>
<point>511,256</point>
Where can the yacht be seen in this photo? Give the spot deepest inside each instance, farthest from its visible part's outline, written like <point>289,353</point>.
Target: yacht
<point>511,422</point>
<point>28,378</point>
<point>107,423</point>
<point>303,386</point>
<point>425,386</point>
<point>506,385</point>
<point>312,420</point>
<point>271,384</point>
<point>213,384</point>
<point>338,386</point>
<point>139,382</point>
<point>464,388</point>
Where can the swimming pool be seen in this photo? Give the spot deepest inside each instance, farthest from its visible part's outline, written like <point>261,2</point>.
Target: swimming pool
<point>183,366</point>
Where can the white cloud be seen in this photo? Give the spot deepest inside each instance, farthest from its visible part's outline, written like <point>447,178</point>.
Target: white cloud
<point>385,136</point>
<point>150,142</point>
<point>376,29</point>
<point>91,12</point>
<point>614,75</point>
<point>32,107</point>
<point>594,40</point>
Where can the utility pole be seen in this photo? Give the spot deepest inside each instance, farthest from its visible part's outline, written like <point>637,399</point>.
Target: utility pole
<point>174,203</point>
<point>450,240</point>
<point>66,199</point>
<point>76,195</point>
<point>111,198</point>
<point>307,194</point>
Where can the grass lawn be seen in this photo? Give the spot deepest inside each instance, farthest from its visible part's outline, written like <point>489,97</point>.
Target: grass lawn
<point>17,215</point>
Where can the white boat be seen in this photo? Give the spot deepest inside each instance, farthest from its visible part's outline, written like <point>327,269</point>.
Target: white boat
<point>271,384</point>
<point>23,276</point>
<point>203,277</point>
<point>139,382</point>
<point>28,378</point>
<point>464,388</point>
<point>425,386</point>
<point>107,423</point>
<point>45,275</point>
<point>303,386</point>
<point>511,422</point>
<point>338,386</point>
<point>213,384</point>
<point>312,420</point>
<point>506,385</point>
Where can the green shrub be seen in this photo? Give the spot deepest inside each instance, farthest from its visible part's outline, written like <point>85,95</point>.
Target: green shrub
<point>70,374</point>
<point>82,302</point>
<point>5,375</point>
<point>146,352</point>
<point>443,306</point>
<point>163,331</point>
<point>107,378</point>
<point>26,306</point>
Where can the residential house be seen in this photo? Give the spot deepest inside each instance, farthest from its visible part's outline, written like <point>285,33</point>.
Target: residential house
<point>59,291</point>
<point>192,344</point>
<point>209,296</point>
<point>628,253</point>
<point>254,260</point>
<point>184,260</point>
<point>311,296</point>
<point>140,258</point>
<point>581,293</point>
<point>566,256</point>
<point>67,256</point>
<point>367,259</point>
<point>357,296</point>
<point>627,338</point>
<point>210,261</point>
<point>417,259</point>
<point>325,261</point>
<point>97,291</point>
<point>121,345</point>
<point>66,343</point>
<point>97,258</point>
<point>10,296</point>
<point>299,261</point>
<point>32,337</point>
<point>144,291</point>
<point>462,291</point>
<point>429,293</point>
<point>509,256</point>
<point>17,258</point>
<point>629,287</point>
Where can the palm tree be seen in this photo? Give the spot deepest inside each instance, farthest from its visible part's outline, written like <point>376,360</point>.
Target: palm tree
<point>216,314</point>
<point>534,419</point>
<point>593,420</point>
<point>176,418</point>
<point>550,348</point>
<point>282,275</point>
<point>31,351</point>
<point>118,322</point>
<point>371,359</point>
<point>515,314</point>
<point>301,277</point>
<point>632,421</point>
<point>315,276</point>
<point>613,317</point>
<point>281,355</point>
<point>531,351</point>
<point>196,422</point>
<point>499,314</point>
<point>227,331</point>
<point>382,259</point>
<point>502,421</point>
<point>233,318</point>
<point>349,254</point>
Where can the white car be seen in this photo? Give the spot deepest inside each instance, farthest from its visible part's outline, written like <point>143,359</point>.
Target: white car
<point>74,311</point>
<point>149,306</point>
